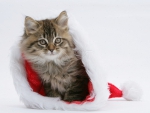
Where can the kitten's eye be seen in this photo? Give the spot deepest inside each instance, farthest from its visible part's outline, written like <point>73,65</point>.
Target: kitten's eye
<point>42,42</point>
<point>57,40</point>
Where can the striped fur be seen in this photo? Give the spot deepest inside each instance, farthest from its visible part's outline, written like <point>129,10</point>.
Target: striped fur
<point>48,45</point>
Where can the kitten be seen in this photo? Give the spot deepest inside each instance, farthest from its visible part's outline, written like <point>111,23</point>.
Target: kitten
<point>48,46</point>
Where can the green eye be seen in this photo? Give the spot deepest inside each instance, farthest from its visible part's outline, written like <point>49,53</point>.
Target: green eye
<point>42,42</point>
<point>57,40</point>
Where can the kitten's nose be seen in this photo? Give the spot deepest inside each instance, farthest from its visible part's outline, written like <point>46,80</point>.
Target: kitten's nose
<point>51,50</point>
<point>51,47</point>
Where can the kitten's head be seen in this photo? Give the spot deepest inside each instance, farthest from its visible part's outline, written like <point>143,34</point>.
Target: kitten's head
<point>47,39</point>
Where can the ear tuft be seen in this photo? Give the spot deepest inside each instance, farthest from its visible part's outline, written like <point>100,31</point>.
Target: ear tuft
<point>62,19</point>
<point>31,26</point>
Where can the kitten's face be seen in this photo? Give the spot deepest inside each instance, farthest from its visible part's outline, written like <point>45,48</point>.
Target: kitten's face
<point>48,39</point>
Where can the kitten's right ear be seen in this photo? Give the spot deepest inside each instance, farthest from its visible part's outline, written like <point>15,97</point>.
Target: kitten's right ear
<point>31,26</point>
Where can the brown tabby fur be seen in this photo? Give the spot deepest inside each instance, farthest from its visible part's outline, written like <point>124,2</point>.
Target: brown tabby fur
<point>62,73</point>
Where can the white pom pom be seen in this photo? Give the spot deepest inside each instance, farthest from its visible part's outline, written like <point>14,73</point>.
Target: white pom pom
<point>131,91</point>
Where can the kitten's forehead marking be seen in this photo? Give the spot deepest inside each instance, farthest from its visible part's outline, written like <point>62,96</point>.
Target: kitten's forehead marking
<point>49,30</point>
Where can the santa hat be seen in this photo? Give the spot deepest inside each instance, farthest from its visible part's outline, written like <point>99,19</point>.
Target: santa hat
<point>31,92</point>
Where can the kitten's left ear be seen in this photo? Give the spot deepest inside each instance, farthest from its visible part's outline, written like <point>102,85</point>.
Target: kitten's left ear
<point>62,19</point>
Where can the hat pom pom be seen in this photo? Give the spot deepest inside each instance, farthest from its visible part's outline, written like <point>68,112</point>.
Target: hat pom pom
<point>131,91</point>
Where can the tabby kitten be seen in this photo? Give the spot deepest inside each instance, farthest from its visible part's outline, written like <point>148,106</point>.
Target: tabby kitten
<point>49,47</point>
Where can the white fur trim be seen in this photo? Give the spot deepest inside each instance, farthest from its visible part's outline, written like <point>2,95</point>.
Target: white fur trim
<point>91,62</point>
<point>131,91</point>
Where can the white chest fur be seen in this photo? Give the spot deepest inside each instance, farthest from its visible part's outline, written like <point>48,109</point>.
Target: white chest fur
<point>54,74</point>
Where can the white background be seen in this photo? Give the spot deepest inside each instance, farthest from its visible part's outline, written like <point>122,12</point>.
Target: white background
<point>119,28</point>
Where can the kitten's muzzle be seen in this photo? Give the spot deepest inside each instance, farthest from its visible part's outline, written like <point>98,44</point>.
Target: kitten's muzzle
<point>51,50</point>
